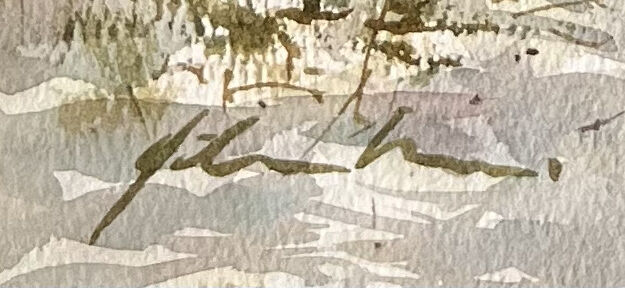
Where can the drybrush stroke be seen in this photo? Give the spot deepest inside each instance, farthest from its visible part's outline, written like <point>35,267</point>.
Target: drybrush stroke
<point>599,123</point>
<point>148,163</point>
<point>205,157</point>
<point>409,151</point>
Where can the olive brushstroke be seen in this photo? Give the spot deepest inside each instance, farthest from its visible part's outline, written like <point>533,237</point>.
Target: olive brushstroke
<point>409,151</point>
<point>554,168</point>
<point>148,163</point>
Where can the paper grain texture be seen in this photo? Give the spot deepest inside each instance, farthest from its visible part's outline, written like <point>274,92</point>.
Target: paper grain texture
<point>314,143</point>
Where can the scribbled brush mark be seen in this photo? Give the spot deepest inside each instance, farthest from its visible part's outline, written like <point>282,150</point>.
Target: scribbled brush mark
<point>148,163</point>
<point>312,11</point>
<point>555,168</point>
<point>600,122</point>
<point>409,151</point>
<point>204,158</point>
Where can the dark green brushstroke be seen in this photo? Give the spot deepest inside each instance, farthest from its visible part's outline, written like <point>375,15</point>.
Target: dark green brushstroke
<point>148,163</point>
<point>409,151</point>
<point>312,11</point>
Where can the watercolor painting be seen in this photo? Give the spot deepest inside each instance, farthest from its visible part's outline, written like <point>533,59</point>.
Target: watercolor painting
<point>312,143</point>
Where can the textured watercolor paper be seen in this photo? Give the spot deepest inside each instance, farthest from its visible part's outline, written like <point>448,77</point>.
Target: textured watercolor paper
<point>312,143</point>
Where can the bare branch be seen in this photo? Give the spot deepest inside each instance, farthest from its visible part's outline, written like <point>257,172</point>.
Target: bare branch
<point>570,38</point>
<point>402,51</point>
<point>600,122</point>
<point>292,52</point>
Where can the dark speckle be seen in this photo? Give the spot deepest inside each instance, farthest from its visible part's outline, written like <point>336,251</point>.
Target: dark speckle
<point>476,100</point>
<point>262,104</point>
<point>531,51</point>
<point>517,58</point>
